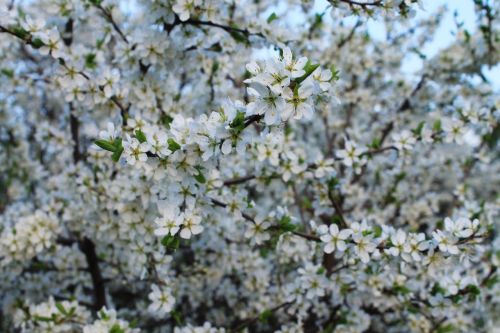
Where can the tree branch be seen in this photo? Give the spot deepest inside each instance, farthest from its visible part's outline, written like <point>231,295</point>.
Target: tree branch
<point>88,249</point>
<point>109,17</point>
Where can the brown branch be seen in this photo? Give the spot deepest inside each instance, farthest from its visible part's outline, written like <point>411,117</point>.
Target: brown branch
<point>88,249</point>
<point>250,321</point>
<point>378,150</point>
<point>194,22</point>
<point>114,99</point>
<point>227,28</point>
<point>405,105</point>
<point>28,40</point>
<point>239,180</point>
<point>251,219</point>
<point>224,205</point>
<point>338,209</point>
<point>307,236</point>
<point>489,276</point>
<point>74,124</point>
<point>344,41</point>
<point>362,4</point>
<point>252,119</point>
<point>109,17</point>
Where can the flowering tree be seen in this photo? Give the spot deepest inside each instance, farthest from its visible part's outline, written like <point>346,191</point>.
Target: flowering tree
<point>224,166</point>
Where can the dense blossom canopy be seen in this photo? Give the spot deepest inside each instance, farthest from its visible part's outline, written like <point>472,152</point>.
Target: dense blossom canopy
<point>230,166</point>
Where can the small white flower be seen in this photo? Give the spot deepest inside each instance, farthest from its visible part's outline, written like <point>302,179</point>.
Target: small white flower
<point>183,8</point>
<point>169,222</point>
<point>320,80</point>
<point>294,66</point>
<point>52,43</point>
<point>335,239</point>
<point>33,25</point>
<point>190,225</point>
<point>162,300</point>
<point>297,104</point>
<point>109,81</point>
<point>404,140</point>
<point>266,102</point>
<point>110,134</point>
<point>446,243</point>
<point>134,151</point>
<point>454,131</point>
<point>363,247</point>
<point>351,154</point>
<point>398,240</point>
<point>275,76</point>
<point>257,231</point>
<point>416,243</point>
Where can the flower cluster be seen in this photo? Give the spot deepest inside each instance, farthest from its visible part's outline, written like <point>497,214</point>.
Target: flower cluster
<point>285,87</point>
<point>52,316</point>
<point>366,241</point>
<point>228,166</point>
<point>31,235</point>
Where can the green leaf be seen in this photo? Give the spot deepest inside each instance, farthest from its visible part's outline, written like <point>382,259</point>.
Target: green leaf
<point>308,68</point>
<point>215,66</point>
<point>200,178</point>
<point>272,17</point>
<point>366,232</point>
<point>417,131</point>
<point>117,154</point>
<point>437,126</point>
<point>265,315</point>
<point>99,43</point>
<point>473,291</point>
<point>286,225</point>
<point>104,316</point>
<point>335,73</point>
<point>140,136</point>
<point>467,36</point>
<point>44,319</point>
<point>166,120</point>
<point>412,309</point>
<point>7,72</point>
<point>375,143</point>
<point>106,145</point>
<point>318,20</point>
<point>400,176</point>
<point>133,323</point>
<point>238,122</point>
<point>401,289</point>
<point>37,43</point>
<point>336,219</point>
<point>306,203</point>
<point>61,308</point>
<point>238,36</point>
<point>332,183</point>
<point>215,48</point>
<point>177,317</point>
<point>446,328</point>
<point>90,60</point>
<point>20,32</point>
<point>116,329</point>
<point>491,281</point>
<point>71,311</point>
<point>172,145</point>
<point>437,289</point>
<point>264,252</point>
<point>170,242</point>
<point>118,149</point>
